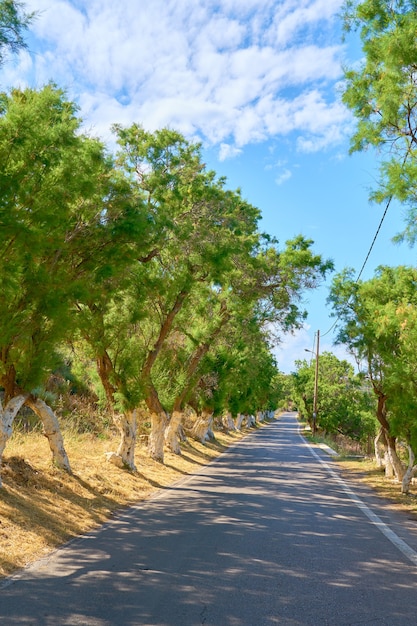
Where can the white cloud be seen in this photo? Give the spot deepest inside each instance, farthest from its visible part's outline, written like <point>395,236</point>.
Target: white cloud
<point>293,348</point>
<point>227,151</point>
<point>300,346</point>
<point>233,72</point>
<point>16,71</point>
<point>283,176</point>
<point>298,15</point>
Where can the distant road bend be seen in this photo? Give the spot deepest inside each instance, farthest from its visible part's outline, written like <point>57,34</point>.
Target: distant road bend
<point>269,533</point>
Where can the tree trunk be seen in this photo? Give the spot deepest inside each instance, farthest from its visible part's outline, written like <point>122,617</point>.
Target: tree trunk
<point>159,423</point>
<point>7,416</point>
<point>106,372</point>
<point>228,422</point>
<point>239,421</point>
<point>202,426</point>
<point>379,439</point>
<point>250,421</point>
<point>175,430</point>
<point>159,419</point>
<point>409,473</point>
<point>393,457</point>
<point>51,430</point>
<point>127,425</point>
<point>171,432</point>
<point>389,470</point>
<point>260,416</point>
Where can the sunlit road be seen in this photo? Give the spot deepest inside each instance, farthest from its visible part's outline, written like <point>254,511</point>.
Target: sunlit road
<point>265,535</point>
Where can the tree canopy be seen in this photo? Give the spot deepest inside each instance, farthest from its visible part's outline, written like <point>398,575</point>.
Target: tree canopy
<point>145,263</point>
<point>378,324</point>
<point>14,21</point>
<point>344,405</point>
<point>382,94</point>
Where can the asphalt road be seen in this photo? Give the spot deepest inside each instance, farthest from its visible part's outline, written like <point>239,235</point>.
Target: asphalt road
<point>267,534</point>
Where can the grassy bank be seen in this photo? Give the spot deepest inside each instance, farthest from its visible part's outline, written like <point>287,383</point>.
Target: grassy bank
<point>362,467</point>
<point>42,507</point>
<point>366,471</point>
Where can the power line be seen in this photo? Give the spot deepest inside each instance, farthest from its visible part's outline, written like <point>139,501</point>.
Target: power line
<point>331,327</point>
<point>367,257</point>
<point>374,239</point>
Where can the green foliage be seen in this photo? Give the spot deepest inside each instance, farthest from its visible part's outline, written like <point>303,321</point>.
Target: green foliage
<point>60,205</point>
<point>379,324</point>
<point>150,268</point>
<point>13,23</point>
<point>205,269</point>
<point>344,402</point>
<point>281,392</point>
<point>382,95</point>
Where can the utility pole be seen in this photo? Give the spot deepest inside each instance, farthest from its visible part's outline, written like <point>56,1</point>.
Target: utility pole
<point>316,384</point>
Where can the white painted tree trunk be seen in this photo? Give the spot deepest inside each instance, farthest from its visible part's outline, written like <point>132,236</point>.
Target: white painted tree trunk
<point>378,457</point>
<point>250,421</point>
<point>260,416</point>
<point>181,431</point>
<point>410,471</point>
<point>159,423</point>
<point>202,426</point>
<point>228,422</point>
<point>127,426</point>
<point>52,432</point>
<point>389,470</point>
<point>171,432</point>
<point>395,462</point>
<point>7,416</point>
<point>239,421</point>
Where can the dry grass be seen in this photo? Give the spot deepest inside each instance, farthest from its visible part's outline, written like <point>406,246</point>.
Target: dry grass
<point>42,507</point>
<point>366,471</point>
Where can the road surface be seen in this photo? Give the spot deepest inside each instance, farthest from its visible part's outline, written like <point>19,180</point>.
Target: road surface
<point>267,534</point>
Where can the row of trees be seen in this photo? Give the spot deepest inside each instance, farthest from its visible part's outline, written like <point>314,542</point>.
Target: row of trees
<point>379,324</point>
<point>377,318</point>
<point>143,264</point>
<point>140,273</point>
<point>377,321</point>
<point>147,277</point>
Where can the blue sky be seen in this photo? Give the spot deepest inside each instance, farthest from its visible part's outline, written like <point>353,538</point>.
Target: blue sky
<point>258,82</point>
